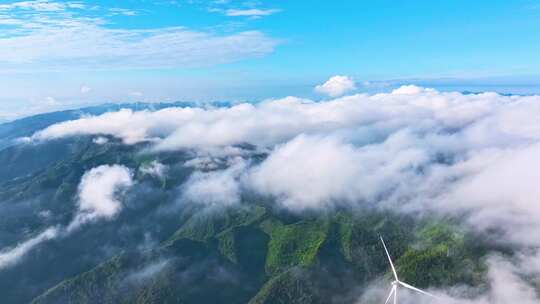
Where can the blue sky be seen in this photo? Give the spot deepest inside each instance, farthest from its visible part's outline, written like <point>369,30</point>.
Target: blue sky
<point>56,54</point>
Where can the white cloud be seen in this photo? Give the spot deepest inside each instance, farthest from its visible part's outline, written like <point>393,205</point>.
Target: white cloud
<point>277,121</point>
<point>122,11</point>
<point>336,86</point>
<point>76,5</point>
<point>100,140</point>
<point>58,35</point>
<point>131,127</point>
<point>505,285</point>
<point>474,156</point>
<point>215,188</point>
<point>422,151</point>
<point>85,89</point>
<point>204,163</point>
<point>250,12</point>
<point>500,186</point>
<point>36,5</point>
<point>310,172</point>
<point>411,90</point>
<point>148,271</point>
<point>98,192</point>
<point>11,256</point>
<point>154,168</point>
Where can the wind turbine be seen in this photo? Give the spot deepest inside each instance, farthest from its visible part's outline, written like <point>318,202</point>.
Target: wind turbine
<point>397,282</point>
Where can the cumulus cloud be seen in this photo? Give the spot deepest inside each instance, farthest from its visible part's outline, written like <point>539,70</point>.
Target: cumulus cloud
<point>411,90</point>
<point>336,86</point>
<point>309,172</point>
<point>97,193</point>
<point>215,188</point>
<point>499,185</point>
<point>11,256</point>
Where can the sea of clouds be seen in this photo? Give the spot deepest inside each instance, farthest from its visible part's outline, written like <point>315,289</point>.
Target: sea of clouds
<point>414,150</point>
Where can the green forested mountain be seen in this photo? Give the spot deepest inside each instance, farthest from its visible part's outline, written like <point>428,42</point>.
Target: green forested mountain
<point>162,250</point>
<point>254,255</point>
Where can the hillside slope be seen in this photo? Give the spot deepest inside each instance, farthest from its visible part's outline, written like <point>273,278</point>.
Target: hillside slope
<point>162,248</point>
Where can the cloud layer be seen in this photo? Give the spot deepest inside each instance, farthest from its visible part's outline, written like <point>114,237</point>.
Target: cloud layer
<point>445,150</point>
<point>313,171</point>
<point>472,156</point>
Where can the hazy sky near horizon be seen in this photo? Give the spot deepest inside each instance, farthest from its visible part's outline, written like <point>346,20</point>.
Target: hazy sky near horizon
<point>56,54</point>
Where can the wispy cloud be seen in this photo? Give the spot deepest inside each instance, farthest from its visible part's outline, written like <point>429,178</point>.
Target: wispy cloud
<point>252,12</point>
<point>98,190</point>
<point>123,11</point>
<point>58,35</point>
<point>147,271</point>
<point>41,5</point>
<point>11,256</point>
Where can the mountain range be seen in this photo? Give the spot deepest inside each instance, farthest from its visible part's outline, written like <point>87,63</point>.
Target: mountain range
<point>161,249</point>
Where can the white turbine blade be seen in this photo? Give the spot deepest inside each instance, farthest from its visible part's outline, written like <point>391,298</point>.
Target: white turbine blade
<point>390,295</point>
<point>416,289</point>
<point>390,260</point>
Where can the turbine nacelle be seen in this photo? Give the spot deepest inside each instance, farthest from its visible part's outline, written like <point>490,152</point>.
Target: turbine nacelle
<point>396,283</point>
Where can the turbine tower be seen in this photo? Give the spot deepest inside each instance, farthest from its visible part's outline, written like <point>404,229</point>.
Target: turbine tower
<point>397,282</point>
